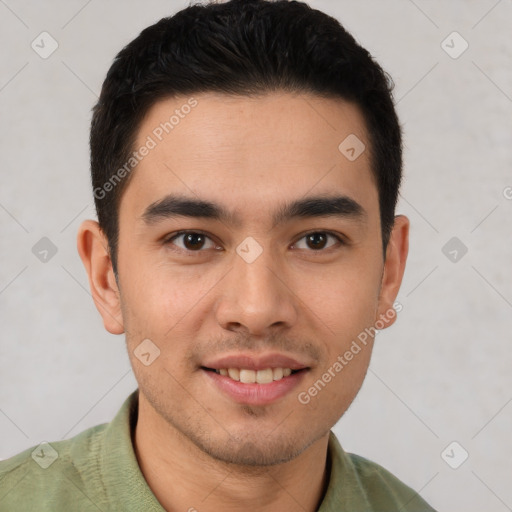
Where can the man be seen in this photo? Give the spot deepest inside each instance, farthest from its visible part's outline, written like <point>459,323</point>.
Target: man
<point>246,161</point>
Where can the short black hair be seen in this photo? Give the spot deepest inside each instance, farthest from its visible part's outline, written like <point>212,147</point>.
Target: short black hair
<point>240,47</point>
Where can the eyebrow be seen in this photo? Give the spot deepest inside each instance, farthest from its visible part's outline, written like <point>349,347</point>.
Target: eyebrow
<point>172,206</point>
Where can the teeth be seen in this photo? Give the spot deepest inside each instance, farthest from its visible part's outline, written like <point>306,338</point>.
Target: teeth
<point>234,373</point>
<point>277,373</point>
<point>247,376</point>
<point>264,376</point>
<point>251,376</point>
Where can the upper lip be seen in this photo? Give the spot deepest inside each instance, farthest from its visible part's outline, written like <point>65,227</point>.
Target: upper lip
<point>255,362</point>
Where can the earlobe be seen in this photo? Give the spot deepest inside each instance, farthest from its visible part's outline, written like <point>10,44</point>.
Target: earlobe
<point>93,249</point>
<point>394,267</point>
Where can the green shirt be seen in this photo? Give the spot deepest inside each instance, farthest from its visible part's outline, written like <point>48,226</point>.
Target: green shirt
<point>97,470</point>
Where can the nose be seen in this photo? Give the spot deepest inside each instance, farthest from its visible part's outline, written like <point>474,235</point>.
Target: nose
<point>256,296</point>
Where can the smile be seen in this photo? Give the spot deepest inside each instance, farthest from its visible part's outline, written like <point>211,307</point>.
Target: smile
<point>255,387</point>
<point>247,376</point>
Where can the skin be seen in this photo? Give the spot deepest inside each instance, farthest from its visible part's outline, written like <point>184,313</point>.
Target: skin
<point>196,447</point>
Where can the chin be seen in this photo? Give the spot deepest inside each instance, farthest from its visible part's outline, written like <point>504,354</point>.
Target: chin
<point>254,449</point>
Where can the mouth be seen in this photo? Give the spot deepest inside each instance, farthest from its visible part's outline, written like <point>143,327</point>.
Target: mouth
<point>254,379</point>
<point>248,376</point>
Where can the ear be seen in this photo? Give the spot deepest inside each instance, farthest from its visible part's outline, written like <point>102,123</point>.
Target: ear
<point>394,267</point>
<point>92,246</point>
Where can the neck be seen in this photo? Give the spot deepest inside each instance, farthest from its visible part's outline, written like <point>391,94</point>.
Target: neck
<point>183,477</point>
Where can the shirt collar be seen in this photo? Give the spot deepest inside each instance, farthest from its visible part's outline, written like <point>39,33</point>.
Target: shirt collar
<point>128,488</point>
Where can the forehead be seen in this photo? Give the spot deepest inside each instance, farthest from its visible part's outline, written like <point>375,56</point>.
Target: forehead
<point>248,152</point>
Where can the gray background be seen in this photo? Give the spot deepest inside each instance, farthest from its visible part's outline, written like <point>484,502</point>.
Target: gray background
<point>441,374</point>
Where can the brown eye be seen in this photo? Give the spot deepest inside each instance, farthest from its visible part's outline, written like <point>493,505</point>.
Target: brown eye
<point>192,241</point>
<point>317,240</point>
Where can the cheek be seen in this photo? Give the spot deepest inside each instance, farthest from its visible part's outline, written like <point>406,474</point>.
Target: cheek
<point>344,299</point>
<point>158,298</point>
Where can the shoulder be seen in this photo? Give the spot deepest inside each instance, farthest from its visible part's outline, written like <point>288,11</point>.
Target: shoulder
<point>50,474</point>
<point>383,489</point>
<point>357,483</point>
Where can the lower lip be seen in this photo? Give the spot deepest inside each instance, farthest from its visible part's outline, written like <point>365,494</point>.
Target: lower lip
<point>256,394</point>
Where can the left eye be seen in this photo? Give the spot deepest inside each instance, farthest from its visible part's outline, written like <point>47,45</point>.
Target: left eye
<point>317,240</point>
<point>194,241</point>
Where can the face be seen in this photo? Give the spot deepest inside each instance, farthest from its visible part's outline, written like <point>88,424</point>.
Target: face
<point>248,301</point>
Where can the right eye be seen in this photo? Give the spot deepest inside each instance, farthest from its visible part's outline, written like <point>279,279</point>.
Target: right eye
<point>191,241</point>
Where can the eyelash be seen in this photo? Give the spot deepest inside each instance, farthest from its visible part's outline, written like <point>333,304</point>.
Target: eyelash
<point>168,241</point>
